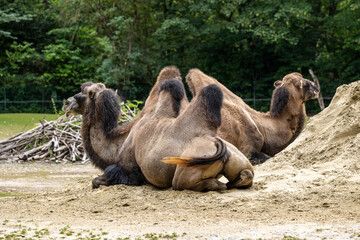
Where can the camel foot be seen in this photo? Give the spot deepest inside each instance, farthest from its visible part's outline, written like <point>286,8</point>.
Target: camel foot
<point>98,181</point>
<point>245,180</point>
<point>213,185</point>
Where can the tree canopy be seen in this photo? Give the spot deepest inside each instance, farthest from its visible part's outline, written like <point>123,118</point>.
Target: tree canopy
<point>48,48</point>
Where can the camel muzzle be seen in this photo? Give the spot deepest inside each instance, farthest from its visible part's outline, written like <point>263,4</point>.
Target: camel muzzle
<point>69,104</point>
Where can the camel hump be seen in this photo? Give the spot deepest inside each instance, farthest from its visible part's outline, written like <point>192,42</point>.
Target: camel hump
<point>197,80</point>
<point>177,93</point>
<point>203,114</point>
<point>211,98</point>
<point>175,87</point>
<point>169,72</point>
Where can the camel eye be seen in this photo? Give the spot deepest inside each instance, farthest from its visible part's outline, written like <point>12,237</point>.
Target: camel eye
<point>78,96</point>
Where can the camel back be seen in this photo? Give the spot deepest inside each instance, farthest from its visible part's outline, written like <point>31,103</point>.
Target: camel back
<point>197,80</point>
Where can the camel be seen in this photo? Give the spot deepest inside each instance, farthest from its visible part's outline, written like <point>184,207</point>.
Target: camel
<point>259,135</point>
<point>102,136</point>
<point>178,149</point>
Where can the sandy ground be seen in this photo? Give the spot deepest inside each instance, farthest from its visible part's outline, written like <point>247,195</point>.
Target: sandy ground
<point>311,190</point>
<point>62,202</point>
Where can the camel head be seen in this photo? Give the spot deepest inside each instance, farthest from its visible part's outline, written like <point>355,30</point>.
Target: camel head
<point>78,103</point>
<point>300,88</point>
<point>293,87</point>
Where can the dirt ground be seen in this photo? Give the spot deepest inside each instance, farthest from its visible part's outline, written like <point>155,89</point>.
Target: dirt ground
<point>311,190</point>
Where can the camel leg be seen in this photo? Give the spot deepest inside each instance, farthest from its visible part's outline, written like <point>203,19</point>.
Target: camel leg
<point>101,180</point>
<point>192,179</point>
<point>238,170</point>
<point>117,174</point>
<point>210,184</point>
<point>244,180</point>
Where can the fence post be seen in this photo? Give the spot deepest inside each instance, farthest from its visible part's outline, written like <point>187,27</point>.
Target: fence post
<point>5,94</point>
<point>254,97</point>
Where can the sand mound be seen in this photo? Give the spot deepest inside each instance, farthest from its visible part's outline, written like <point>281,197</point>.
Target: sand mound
<point>328,149</point>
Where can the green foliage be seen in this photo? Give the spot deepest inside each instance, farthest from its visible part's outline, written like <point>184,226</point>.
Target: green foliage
<point>10,15</point>
<point>50,47</point>
<point>130,108</point>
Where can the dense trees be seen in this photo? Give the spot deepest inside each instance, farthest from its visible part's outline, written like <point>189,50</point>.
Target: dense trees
<point>49,47</point>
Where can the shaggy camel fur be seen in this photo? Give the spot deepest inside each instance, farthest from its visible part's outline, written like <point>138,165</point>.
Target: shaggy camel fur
<point>187,138</point>
<point>102,136</point>
<point>261,135</point>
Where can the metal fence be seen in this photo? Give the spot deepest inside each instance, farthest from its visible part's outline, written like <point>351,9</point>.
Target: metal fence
<point>40,105</point>
<point>253,101</point>
<point>47,106</point>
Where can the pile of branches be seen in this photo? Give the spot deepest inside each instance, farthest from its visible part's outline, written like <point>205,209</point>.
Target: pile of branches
<point>56,141</point>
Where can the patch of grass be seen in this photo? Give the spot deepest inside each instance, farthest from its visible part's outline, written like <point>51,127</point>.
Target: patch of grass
<point>14,123</point>
<point>14,235</point>
<point>7,194</point>
<point>154,236</point>
<point>66,231</point>
<point>41,233</point>
<point>290,238</point>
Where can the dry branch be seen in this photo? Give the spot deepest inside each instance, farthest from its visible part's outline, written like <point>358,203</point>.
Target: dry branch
<point>55,141</point>
<point>320,98</point>
<point>44,142</point>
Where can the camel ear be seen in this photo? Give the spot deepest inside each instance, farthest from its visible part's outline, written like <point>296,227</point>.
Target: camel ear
<point>277,83</point>
<point>91,94</point>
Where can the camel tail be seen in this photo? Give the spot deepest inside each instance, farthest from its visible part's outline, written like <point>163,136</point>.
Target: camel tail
<point>220,155</point>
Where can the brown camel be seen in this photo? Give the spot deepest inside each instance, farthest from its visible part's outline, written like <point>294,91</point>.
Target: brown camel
<point>102,136</point>
<point>258,135</point>
<point>186,138</point>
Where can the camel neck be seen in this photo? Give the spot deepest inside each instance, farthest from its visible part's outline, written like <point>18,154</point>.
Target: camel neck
<point>92,154</point>
<point>280,131</point>
<point>101,149</point>
<point>297,123</point>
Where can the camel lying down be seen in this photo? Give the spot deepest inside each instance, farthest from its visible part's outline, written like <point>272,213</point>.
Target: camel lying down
<point>175,147</point>
<point>102,137</point>
<point>256,134</point>
<point>101,134</point>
